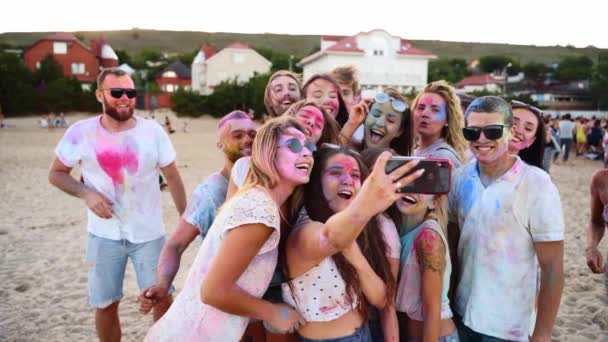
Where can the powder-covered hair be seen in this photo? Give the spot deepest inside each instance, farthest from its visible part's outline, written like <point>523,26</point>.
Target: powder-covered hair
<point>452,133</point>
<point>234,115</point>
<point>331,129</point>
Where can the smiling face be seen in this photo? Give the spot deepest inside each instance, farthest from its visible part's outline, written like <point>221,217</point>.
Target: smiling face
<point>382,125</point>
<point>415,205</point>
<point>485,150</point>
<point>525,124</point>
<point>430,115</point>
<point>118,109</point>
<point>340,180</point>
<point>313,122</point>
<point>284,92</point>
<point>348,95</point>
<point>237,138</point>
<point>325,95</point>
<point>293,167</point>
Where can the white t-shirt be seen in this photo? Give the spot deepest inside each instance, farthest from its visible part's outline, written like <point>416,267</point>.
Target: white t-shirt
<point>124,167</point>
<point>499,225</point>
<point>239,171</point>
<point>566,128</point>
<point>390,235</point>
<point>188,319</point>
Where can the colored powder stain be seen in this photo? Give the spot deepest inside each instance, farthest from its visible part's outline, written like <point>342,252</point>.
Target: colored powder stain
<point>468,194</point>
<point>347,164</point>
<point>428,239</point>
<point>113,162</point>
<point>497,204</point>
<point>442,114</point>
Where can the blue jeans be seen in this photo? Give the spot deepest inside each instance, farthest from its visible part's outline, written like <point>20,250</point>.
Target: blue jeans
<point>362,334</point>
<point>466,334</point>
<point>566,146</point>
<point>108,259</point>
<point>453,337</point>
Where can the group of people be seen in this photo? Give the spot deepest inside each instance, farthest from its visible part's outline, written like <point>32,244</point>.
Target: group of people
<point>588,137</point>
<point>304,233</point>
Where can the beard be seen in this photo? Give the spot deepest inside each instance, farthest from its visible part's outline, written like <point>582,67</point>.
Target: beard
<point>112,111</point>
<point>280,108</point>
<point>234,153</point>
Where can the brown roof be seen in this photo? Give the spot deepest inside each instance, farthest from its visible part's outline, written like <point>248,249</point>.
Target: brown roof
<point>478,80</point>
<point>208,50</point>
<point>60,36</point>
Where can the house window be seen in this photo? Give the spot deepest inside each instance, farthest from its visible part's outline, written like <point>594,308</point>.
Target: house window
<point>77,68</point>
<point>238,58</point>
<point>37,65</point>
<point>170,74</point>
<point>60,48</point>
<point>378,53</point>
<point>170,88</point>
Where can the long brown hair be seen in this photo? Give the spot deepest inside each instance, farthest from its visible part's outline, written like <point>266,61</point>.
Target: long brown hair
<point>455,119</point>
<point>342,115</point>
<point>370,240</point>
<point>331,128</point>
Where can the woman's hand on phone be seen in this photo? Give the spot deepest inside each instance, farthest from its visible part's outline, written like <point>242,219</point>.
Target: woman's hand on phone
<point>380,190</point>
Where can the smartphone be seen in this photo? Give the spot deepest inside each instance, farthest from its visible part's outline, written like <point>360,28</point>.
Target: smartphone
<point>436,178</point>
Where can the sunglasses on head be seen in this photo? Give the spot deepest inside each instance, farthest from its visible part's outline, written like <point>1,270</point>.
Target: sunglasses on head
<point>397,105</point>
<point>518,104</point>
<point>295,145</point>
<point>492,132</point>
<point>338,147</point>
<point>118,92</point>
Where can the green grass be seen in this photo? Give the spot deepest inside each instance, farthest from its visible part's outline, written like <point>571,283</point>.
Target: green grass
<point>299,45</point>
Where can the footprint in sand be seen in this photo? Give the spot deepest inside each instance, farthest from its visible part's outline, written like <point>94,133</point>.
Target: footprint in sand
<point>22,288</point>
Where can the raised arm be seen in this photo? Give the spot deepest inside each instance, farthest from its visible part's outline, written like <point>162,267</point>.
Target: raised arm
<point>356,117</point>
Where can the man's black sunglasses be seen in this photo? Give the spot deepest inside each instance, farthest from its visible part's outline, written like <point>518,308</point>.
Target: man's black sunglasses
<point>118,92</point>
<point>492,132</point>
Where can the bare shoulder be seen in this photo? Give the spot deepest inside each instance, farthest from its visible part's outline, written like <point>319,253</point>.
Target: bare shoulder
<point>430,250</point>
<point>599,182</point>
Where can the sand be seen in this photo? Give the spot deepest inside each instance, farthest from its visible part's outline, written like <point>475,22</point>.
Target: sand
<point>43,240</point>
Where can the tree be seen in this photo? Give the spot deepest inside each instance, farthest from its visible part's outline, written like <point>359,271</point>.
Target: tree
<point>451,70</point>
<point>599,82</point>
<point>63,94</point>
<point>536,72</point>
<point>279,60</point>
<point>497,63</point>
<point>49,71</point>
<point>17,93</point>
<point>123,57</point>
<point>574,68</point>
<point>187,57</point>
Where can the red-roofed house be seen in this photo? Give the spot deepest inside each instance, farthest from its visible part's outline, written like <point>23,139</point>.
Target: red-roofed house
<point>486,82</point>
<point>381,58</point>
<point>236,61</point>
<point>74,56</point>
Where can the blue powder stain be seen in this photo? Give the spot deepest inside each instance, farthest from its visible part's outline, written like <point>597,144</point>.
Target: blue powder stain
<point>468,193</point>
<point>441,115</point>
<point>497,204</point>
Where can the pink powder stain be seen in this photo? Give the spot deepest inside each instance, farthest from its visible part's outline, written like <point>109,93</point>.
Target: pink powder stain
<point>428,239</point>
<point>328,308</point>
<point>113,161</point>
<point>314,113</point>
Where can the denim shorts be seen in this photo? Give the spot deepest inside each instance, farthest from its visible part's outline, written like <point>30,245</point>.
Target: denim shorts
<point>453,337</point>
<point>361,334</point>
<point>108,259</point>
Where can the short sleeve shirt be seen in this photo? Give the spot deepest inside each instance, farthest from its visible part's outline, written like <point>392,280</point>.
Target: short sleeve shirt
<point>204,202</point>
<point>124,167</point>
<point>499,225</point>
<point>188,319</point>
<point>440,149</point>
<point>239,171</point>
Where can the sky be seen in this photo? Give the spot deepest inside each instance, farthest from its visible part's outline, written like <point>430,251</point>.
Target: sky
<point>528,22</point>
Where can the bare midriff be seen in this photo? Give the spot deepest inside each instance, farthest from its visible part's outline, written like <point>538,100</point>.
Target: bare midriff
<point>343,326</point>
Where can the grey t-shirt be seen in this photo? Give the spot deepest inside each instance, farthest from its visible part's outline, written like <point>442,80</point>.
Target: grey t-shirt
<point>440,149</point>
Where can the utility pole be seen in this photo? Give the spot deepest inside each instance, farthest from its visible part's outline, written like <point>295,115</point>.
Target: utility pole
<point>290,62</point>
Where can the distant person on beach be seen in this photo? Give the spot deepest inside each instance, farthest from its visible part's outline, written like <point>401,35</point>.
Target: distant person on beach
<point>236,131</point>
<point>506,224</point>
<point>598,222</point>
<point>168,125</point>
<point>120,156</point>
<point>566,135</point>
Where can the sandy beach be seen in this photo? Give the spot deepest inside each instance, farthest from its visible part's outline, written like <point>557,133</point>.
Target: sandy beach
<point>43,241</point>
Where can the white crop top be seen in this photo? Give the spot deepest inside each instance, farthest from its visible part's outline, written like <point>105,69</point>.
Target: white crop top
<point>319,295</point>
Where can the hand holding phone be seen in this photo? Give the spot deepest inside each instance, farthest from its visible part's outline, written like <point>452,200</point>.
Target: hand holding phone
<point>435,180</point>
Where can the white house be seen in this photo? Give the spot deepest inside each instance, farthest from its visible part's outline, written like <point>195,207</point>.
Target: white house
<point>381,58</point>
<point>236,61</point>
<point>486,82</point>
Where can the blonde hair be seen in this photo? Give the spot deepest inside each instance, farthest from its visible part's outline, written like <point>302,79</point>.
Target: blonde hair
<point>331,128</point>
<point>268,90</point>
<point>440,213</point>
<point>262,169</point>
<point>455,118</point>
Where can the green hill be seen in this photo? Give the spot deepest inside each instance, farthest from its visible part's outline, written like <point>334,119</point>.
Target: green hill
<point>299,45</point>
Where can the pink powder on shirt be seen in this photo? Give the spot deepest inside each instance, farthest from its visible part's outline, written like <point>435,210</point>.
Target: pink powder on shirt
<point>113,161</point>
